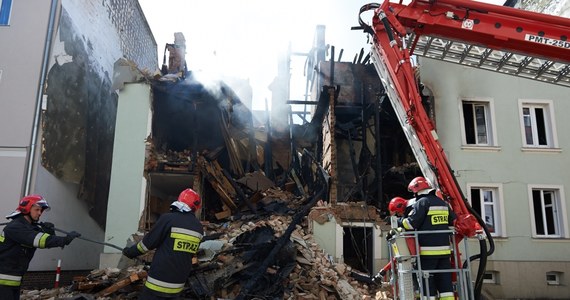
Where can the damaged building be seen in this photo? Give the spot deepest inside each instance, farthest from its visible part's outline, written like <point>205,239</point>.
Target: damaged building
<point>330,177</point>
<point>295,203</point>
<point>58,113</point>
<point>115,143</point>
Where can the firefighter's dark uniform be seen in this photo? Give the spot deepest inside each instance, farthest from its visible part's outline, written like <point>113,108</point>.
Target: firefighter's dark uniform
<point>18,243</point>
<point>176,237</point>
<point>427,214</point>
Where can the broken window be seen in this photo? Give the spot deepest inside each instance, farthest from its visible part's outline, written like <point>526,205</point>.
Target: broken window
<point>485,200</point>
<point>477,122</point>
<point>358,248</point>
<point>547,212</point>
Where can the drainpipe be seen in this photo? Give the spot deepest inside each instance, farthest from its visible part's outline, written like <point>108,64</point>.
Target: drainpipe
<point>37,113</point>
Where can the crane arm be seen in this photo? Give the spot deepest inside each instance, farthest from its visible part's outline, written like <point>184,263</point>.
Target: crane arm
<point>396,29</point>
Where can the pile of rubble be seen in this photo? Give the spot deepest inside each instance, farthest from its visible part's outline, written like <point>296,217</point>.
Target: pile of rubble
<point>300,268</point>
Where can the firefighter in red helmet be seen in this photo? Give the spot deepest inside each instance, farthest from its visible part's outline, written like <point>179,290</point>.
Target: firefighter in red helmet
<point>397,206</point>
<point>176,237</point>
<point>431,213</point>
<point>20,239</point>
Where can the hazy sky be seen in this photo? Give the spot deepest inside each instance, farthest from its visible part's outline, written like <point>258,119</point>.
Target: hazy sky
<point>243,38</point>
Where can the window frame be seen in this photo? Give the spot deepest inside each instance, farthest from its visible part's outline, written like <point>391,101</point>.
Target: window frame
<point>8,6</point>
<point>494,277</point>
<point>556,281</point>
<point>562,217</point>
<point>498,211</point>
<point>549,123</point>
<point>489,106</point>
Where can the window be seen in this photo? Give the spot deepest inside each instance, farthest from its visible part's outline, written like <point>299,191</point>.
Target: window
<point>477,123</point>
<point>553,278</point>
<point>5,9</point>
<point>486,201</point>
<point>537,122</point>
<point>491,277</point>
<point>547,212</point>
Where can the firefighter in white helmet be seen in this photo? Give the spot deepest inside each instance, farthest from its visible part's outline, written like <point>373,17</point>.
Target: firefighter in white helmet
<point>20,239</point>
<point>176,237</point>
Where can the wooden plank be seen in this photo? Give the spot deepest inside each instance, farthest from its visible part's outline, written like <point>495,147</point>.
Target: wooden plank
<point>122,283</point>
<point>218,181</point>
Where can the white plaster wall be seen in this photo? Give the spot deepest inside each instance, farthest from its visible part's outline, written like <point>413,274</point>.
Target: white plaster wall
<point>325,236</point>
<point>329,236</point>
<point>67,213</point>
<point>127,189</point>
<point>21,53</point>
<point>91,20</point>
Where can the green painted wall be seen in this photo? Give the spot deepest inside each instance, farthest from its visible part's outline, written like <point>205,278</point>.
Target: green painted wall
<point>509,166</point>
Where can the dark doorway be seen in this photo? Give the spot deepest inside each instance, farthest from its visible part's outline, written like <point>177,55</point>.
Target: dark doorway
<point>358,248</point>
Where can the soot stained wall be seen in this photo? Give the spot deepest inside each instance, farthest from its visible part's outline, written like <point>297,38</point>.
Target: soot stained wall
<point>79,122</point>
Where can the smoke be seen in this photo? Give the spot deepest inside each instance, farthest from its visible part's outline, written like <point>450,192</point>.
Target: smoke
<point>243,39</point>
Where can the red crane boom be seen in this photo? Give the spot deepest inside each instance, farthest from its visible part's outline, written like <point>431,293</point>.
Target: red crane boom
<point>497,38</point>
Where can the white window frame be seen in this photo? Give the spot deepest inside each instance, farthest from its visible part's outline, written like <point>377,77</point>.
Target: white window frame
<point>489,106</point>
<point>560,201</point>
<point>9,13</point>
<point>556,280</point>
<point>498,203</point>
<point>494,277</point>
<point>549,119</point>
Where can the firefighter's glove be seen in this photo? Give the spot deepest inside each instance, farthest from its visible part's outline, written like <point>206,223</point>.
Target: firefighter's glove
<point>130,252</point>
<point>378,278</point>
<point>393,232</point>
<point>71,236</point>
<point>48,228</point>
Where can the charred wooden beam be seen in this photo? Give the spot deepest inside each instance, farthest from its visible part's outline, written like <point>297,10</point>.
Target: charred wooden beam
<point>214,174</point>
<point>267,151</point>
<point>239,192</point>
<point>270,258</point>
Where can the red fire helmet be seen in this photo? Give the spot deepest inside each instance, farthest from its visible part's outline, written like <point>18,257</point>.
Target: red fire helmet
<point>418,184</point>
<point>190,198</point>
<point>26,203</point>
<point>397,205</point>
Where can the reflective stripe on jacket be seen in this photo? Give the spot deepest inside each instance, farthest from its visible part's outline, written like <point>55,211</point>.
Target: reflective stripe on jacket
<point>176,236</point>
<point>431,213</point>
<point>10,280</point>
<point>18,243</point>
<point>163,287</point>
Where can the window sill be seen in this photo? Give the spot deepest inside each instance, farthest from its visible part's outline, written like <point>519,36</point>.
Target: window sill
<point>545,150</point>
<point>481,148</point>
<point>550,239</point>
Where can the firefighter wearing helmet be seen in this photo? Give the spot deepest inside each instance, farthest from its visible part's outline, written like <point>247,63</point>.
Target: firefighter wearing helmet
<point>430,213</point>
<point>176,237</point>
<point>397,206</point>
<point>20,239</point>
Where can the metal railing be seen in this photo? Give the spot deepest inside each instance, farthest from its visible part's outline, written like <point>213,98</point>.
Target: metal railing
<point>410,281</point>
<point>493,60</point>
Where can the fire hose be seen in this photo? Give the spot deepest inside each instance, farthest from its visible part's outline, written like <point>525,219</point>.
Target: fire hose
<point>81,238</point>
<point>90,240</point>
